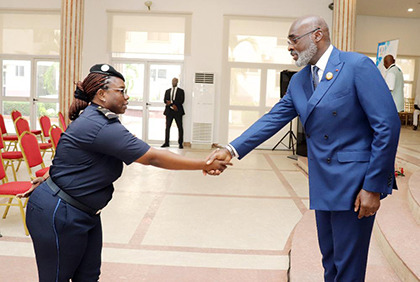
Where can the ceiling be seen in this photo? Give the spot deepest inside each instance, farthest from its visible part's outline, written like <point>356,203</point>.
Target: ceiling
<point>389,8</point>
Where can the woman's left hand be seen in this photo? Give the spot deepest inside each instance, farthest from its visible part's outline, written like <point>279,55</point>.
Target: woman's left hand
<point>35,183</point>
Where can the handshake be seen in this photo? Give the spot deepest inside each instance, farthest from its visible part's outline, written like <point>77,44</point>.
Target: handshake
<point>217,161</point>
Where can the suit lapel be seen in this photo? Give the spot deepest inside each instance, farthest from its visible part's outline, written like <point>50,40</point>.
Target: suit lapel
<point>308,86</point>
<point>333,69</point>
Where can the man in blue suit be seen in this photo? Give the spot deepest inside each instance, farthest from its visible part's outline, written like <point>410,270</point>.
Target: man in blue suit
<point>352,129</point>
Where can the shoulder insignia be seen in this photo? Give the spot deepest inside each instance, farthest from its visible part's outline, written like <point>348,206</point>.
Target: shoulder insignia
<point>107,113</point>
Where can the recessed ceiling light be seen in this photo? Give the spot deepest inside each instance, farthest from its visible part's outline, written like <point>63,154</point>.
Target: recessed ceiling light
<point>410,10</point>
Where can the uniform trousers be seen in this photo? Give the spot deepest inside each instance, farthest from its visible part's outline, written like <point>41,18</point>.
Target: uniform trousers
<point>344,243</point>
<point>67,241</point>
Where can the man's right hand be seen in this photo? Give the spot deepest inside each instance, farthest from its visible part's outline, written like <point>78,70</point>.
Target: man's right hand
<point>221,154</point>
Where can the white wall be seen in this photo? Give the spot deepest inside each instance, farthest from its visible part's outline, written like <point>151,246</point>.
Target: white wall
<point>370,30</point>
<point>206,33</point>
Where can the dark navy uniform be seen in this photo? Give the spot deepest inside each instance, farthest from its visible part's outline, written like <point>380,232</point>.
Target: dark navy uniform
<point>89,158</point>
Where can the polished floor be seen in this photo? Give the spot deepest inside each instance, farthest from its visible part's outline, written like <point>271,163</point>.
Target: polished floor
<point>182,226</point>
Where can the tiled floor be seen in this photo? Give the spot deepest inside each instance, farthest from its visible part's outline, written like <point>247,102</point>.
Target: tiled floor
<point>182,226</point>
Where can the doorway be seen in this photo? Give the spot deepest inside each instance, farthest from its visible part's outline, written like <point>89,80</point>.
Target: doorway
<point>31,87</point>
<point>146,83</point>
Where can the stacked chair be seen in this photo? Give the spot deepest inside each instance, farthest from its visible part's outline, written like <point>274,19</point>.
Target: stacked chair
<point>9,190</point>
<point>10,157</point>
<point>22,125</point>
<point>32,154</point>
<point>16,114</point>
<point>62,121</point>
<point>45,124</point>
<point>11,139</point>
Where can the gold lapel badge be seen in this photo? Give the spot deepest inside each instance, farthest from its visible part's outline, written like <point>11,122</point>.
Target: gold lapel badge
<point>329,76</point>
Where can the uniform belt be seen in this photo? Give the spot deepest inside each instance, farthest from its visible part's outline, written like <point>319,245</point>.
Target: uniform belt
<point>69,199</point>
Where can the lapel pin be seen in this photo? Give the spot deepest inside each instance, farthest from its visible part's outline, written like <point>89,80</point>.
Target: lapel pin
<point>336,69</point>
<point>329,76</point>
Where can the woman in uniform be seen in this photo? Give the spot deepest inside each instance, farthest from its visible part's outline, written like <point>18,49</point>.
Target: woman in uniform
<point>63,212</point>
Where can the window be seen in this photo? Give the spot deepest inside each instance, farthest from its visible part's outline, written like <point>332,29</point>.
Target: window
<point>260,41</point>
<point>29,59</point>
<point>148,36</point>
<point>256,53</point>
<point>20,71</point>
<point>30,33</point>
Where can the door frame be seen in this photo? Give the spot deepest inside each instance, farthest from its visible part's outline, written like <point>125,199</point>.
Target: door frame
<point>145,103</point>
<point>32,99</point>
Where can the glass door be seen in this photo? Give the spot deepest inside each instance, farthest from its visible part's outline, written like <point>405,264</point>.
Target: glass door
<point>160,79</point>
<point>31,87</point>
<point>146,83</point>
<point>45,101</point>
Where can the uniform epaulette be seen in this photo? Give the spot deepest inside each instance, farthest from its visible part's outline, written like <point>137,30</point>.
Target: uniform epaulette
<point>107,113</point>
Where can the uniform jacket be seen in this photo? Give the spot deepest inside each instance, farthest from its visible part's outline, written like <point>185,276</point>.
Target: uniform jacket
<point>179,100</point>
<point>352,129</point>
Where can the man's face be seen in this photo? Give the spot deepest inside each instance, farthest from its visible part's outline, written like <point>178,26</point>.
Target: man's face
<point>174,82</point>
<point>301,45</point>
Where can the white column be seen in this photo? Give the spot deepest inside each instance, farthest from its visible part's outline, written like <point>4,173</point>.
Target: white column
<point>71,51</point>
<point>344,24</point>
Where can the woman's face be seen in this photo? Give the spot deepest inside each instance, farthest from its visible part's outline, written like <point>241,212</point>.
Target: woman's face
<point>115,96</point>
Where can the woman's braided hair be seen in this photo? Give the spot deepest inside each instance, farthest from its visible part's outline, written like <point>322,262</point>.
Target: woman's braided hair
<point>85,92</point>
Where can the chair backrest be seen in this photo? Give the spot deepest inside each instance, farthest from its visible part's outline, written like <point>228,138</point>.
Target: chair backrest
<point>409,105</point>
<point>30,149</point>
<point>1,141</point>
<point>62,121</point>
<point>55,134</point>
<point>2,125</point>
<point>21,125</point>
<point>45,123</point>
<point>3,175</point>
<point>16,114</point>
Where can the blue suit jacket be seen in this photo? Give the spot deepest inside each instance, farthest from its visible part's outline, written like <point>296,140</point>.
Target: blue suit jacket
<point>352,129</point>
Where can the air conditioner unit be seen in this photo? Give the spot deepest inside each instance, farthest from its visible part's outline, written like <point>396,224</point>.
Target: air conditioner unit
<point>203,110</point>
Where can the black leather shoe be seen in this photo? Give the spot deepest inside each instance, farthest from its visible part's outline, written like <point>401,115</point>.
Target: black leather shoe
<point>164,145</point>
<point>181,146</point>
<point>414,127</point>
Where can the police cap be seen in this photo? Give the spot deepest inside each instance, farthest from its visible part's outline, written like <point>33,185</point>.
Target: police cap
<point>107,70</point>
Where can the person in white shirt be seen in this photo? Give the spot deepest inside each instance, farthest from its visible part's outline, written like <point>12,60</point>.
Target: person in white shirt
<point>395,80</point>
<point>416,112</point>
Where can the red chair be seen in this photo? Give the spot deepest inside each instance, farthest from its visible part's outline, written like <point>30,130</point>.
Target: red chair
<point>10,157</point>
<point>9,190</point>
<point>45,123</point>
<point>12,139</point>
<point>16,114</point>
<point>62,121</point>
<point>55,134</point>
<point>22,125</point>
<point>32,154</point>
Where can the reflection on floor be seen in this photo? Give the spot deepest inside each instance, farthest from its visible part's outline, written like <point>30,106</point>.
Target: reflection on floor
<point>182,226</point>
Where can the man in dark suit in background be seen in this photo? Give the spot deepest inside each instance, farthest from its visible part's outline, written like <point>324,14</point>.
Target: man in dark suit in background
<point>174,98</point>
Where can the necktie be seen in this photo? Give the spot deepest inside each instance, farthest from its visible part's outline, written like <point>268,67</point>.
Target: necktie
<point>172,95</point>
<point>315,76</point>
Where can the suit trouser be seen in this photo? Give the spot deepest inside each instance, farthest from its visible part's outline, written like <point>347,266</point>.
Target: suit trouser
<point>67,241</point>
<point>178,120</point>
<point>344,242</point>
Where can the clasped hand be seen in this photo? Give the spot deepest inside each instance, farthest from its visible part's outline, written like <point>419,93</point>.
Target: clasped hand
<point>222,155</point>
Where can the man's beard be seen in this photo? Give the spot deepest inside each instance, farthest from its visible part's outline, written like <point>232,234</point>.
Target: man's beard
<point>306,55</point>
